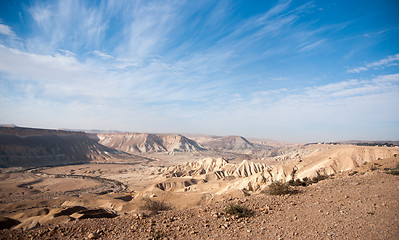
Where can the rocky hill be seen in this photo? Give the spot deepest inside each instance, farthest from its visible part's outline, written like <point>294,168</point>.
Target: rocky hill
<point>250,176</point>
<point>147,143</point>
<point>235,144</point>
<point>29,147</point>
<point>218,167</point>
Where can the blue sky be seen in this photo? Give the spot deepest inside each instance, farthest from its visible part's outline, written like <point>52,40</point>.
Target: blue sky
<point>284,70</point>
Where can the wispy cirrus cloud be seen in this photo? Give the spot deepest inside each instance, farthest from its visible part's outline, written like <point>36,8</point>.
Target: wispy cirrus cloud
<point>102,55</point>
<point>385,62</point>
<point>6,30</point>
<point>185,66</point>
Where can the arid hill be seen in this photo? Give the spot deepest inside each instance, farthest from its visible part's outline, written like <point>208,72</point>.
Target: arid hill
<point>314,161</point>
<point>236,144</point>
<point>146,142</point>
<point>28,147</point>
<point>100,190</point>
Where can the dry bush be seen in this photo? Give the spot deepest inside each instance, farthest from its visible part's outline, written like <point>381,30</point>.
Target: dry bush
<point>238,210</point>
<point>155,205</point>
<point>278,188</point>
<point>298,182</point>
<point>307,181</point>
<point>393,171</point>
<point>155,235</point>
<point>319,178</point>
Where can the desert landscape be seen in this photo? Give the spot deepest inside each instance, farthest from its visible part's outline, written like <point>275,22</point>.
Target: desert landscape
<point>59,184</point>
<point>154,119</point>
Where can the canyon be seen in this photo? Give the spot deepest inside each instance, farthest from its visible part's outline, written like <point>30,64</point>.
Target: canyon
<point>59,177</point>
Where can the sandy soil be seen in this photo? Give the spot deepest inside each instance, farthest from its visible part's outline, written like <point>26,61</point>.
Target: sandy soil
<point>357,204</point>
<point>362,205</point>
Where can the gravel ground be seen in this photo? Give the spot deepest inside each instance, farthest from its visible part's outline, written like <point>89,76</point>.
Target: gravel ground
<point>364,205</point>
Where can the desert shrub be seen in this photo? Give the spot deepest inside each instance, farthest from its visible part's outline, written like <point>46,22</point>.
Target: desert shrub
<point>278,188</point>
<point>319,178</point>
<point>238,210</point>
<point>307,181</point>
<point>298,182</point>
<point>155,235</point>
<point>393,171</point>
<point>155,205</point>
<point>352,173</point>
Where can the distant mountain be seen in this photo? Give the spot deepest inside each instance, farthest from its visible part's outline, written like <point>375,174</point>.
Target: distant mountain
<point>8,125</point>
<point>235,144</point>
<point>230,143</point>
<point>30,147</point>
<point>146,142</point>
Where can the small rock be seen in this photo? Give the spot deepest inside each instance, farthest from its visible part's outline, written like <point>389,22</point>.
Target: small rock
<point>93,236</point>
<point>34,224</point>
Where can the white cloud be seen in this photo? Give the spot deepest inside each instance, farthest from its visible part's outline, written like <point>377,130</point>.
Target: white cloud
<point>341,110</point>
<point>102,55</point>
<point>386,62</point>
<point>63,76</point>
<point>146,75</point>
<point>162,97</point>
<point>6,30</point>
<point>66,52</point>
<point>357,70</point>
<point>311,46</point>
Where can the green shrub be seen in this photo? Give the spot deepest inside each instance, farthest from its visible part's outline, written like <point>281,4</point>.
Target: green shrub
<point>238,210</point>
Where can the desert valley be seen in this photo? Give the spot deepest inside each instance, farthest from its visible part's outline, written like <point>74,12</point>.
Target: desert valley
<point>130,119</point>
<point>59,184</point>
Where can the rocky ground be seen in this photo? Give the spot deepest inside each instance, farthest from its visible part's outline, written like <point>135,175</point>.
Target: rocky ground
<point>362,204</point>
